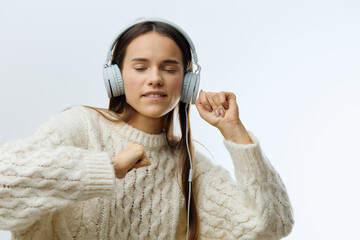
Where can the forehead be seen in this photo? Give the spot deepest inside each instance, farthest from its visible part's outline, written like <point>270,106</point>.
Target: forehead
<point>153,44</point>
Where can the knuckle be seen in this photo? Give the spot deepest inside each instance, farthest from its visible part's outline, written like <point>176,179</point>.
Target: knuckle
<point>140,150</point>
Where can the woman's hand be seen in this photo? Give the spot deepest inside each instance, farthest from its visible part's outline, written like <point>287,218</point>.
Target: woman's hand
<point>218,109</point>
<point>221,111</point>
<point>133,156</point>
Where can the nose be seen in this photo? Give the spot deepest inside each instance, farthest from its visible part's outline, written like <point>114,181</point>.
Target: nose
<point>155,77</point>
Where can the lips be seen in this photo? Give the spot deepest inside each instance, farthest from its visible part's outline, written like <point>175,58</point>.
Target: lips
<point>154,94</point>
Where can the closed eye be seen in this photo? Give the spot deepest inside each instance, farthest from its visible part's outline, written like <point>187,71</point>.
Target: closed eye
<point>166,70</point>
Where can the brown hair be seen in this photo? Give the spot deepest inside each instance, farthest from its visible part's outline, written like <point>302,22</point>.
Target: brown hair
<point>123,111</point>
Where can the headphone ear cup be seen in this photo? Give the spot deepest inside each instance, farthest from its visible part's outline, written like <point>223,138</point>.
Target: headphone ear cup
<point>190,87</point>
<point>196,79</point>
<point>113,81</point>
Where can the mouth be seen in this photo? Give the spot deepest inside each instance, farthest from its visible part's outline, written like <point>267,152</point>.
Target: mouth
<point>154,96</point>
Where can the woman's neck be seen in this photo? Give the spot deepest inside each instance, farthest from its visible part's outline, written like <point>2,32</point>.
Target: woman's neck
<point>148,125</point>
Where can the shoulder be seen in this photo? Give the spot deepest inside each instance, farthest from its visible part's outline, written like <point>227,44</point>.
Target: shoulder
<point>64,118</point>
<point>95,113</point>
<point>77,111</point>
<point>82,114</point>
<point>70,123</point>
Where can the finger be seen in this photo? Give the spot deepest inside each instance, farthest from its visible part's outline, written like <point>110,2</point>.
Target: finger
<point>201,109</point>
<point>231,99</point>
<point>139,151</point>
<point>211,102</point>
<point>133,153</point>
<point>204,101</point>
<point>142,163</point>
<point>222,98</point>
<point>217,106</point>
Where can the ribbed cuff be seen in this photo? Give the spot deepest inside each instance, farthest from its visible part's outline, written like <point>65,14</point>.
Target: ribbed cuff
<point>247,158</point>
<point>99,178</point>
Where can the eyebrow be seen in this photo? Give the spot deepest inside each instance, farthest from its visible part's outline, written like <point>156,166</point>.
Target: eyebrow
<point>146,60</point>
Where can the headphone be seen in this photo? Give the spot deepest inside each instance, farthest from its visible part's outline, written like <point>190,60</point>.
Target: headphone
<point>115,87</point>
<point>112,75</point>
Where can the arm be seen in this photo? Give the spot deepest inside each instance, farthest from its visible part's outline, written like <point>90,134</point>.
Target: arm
<point>50,170</point>
<point>256,207</point>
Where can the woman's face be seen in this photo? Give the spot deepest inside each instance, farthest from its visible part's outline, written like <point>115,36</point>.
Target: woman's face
<point>152,63</point>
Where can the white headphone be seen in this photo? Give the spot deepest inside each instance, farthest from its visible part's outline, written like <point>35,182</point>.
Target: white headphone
<point>190,88</point>
<point>113,78</point>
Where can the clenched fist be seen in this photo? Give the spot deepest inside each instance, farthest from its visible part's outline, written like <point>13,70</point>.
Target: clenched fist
<point>133,156</point>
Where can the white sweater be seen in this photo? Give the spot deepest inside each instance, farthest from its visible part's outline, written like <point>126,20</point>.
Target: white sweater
<point>60,184</point>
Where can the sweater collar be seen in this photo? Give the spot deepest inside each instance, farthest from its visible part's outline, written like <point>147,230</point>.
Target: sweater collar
<point>146,139</point>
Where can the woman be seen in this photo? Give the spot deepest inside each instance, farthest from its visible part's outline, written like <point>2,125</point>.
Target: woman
<point>122,173</point>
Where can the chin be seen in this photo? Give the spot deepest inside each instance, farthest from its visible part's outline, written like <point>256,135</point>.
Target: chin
<point>156,115</point>
<point>153,111</point>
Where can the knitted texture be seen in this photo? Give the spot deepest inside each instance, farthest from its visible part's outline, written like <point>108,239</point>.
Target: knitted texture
<point>60,184</point>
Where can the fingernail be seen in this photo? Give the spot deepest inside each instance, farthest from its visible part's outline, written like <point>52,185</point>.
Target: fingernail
<point>226,107</point>
<point>216,112</point>
<point>208,108</point>
<point>222,112</point>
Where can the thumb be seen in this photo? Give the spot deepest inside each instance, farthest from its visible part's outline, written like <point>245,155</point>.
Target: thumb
<point>143,162</point>
<point>231,98</point>
<point>200,107</point>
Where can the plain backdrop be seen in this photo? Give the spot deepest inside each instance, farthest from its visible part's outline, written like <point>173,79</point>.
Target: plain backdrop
<point>293,65</point>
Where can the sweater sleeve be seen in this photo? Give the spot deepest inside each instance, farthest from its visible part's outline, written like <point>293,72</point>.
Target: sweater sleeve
<point>255,207</point>
<point>50,170</point>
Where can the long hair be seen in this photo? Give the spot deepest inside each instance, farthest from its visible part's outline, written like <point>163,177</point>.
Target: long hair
<point>122,111</point>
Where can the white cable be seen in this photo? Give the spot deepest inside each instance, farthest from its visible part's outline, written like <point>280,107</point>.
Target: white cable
<point>190,172</point>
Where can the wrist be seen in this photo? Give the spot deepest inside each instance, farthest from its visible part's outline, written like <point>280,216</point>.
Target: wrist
<point>236,133</point>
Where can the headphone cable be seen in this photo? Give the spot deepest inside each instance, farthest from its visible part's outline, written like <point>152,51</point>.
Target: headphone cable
<point>190,173</point>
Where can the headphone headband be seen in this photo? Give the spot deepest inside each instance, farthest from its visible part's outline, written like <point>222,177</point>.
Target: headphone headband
<point>141,20</point>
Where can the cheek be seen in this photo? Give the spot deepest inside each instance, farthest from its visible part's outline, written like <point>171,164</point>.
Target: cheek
<point>131,85</point>
<point>176,86</point>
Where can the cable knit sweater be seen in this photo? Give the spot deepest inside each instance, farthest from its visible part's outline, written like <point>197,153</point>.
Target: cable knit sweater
<point>60,184</point>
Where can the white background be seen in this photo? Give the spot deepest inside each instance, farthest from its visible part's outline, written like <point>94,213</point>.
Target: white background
<point>293,65</point>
